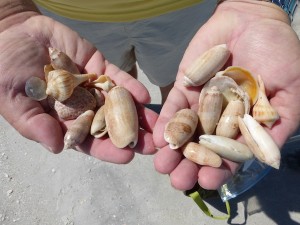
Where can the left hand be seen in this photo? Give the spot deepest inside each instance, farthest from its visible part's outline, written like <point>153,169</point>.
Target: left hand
<point>261,40</point>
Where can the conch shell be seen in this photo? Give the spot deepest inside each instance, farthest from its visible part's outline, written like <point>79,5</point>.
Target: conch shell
<point>201,155</point>
<point>226,147</point>
<point>98,128</point>
<point>121,118</point>
<point>79,130</point>
<point>210,111</point>
<point>180,128</point>
<point>206,66</point>
<point>61,83</point>
<point>262,111</point>
<point>259,141</point>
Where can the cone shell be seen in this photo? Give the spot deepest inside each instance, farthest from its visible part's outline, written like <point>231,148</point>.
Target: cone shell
<point>59,60</point>
<point>210,110</point>
<point>80,101</point>
<point>78,131</point>
<point>201,155</point>
<point>263,112</point>
<point>226,147</point>
<point>259,141</point>
<point>228,125</point>
<point>180,128</point>
<point>98,128</point>
<point>244,79</point>
<point>206,66</point>
<point>121,118</point>
<point>61,83</point>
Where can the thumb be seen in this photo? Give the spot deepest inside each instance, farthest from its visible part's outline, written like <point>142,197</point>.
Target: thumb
<point>30,120</point>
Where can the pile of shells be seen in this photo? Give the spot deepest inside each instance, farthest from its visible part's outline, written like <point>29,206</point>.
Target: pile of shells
<point>231,102</point>
<point>97,106</point>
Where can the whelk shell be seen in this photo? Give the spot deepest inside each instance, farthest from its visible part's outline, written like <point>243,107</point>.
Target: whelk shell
<point>59,60</point>
<point>228,125</point>
<point>78,131</point>
<point>201,155</point>
<point>210,110</point>
<point>226,147</point>
<point>121,118</point>
<point>206,66</point>
<point>262,111</point>
<point>61,83</point>
<point>35,88</point>
<point>244,79</point>
<point>180,128</point>
<point>98,128</point>
<point>259,141</point>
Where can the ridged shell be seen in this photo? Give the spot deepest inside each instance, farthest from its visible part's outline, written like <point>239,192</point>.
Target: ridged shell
<point>180,128</point>
<point>228,125</point>
<point>259,141</point>
<point>210,110</point>
<point>98,128</point>
<point>263,111</point>
<point>206,66</point>
<point>201,155</point>
<point>61,83</point>
<point>121,118</point>
<point>80,101</point>
<point>79,130</point>
<point>244,79</point>
<point>226,147</point>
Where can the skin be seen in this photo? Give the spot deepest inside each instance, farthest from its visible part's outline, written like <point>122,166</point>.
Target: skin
<point>25,36</point>
<point>261,39</point>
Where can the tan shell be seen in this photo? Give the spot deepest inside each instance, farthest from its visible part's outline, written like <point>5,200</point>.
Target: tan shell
<point>47,69</point>
<point>230,90</point>
<point>206,66</point>
<point>226,147</point>
<point>35,88</point>
<point>228,125</point>
<point>201,155</point>
<point>59,60</point>
<point>259,141</point>
<point>99,96</point>
<point>79,130</point>
<point>98,128</point>
<point>180,128</point>
<point>121,118</point>
<point>80,101</point>
<point>210,110</point>
<point>244,79</point>
<point>262,111</point>
<point>61,83</point>
<point>103,82</point>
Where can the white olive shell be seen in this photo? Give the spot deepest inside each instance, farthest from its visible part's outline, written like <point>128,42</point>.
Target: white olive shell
<point>121,118</point>
<point>180,128</point>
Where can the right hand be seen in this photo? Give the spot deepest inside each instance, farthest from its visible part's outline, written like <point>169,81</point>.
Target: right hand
<point>24,41</point>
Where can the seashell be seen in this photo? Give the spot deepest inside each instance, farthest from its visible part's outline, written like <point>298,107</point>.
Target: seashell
<point>80,101</point>
<point>60,60</point>
<point>47,69</point>
<point>35,88</point>
<point>98,128</point>
<point>206,66</point>
<point>262,111</point>
<point>201,155</point>
<point>79,130</point>
<point>180,128</point>
<point>230,90</point>
<point>61,83</point>
<point>210,111</point>
<point>244,79</point>
<point>121,118</point>
<point>228,125</point>
<point>103,82</point>
<point>99,96</point>
<point>259,141</point>
<point>226,147</point>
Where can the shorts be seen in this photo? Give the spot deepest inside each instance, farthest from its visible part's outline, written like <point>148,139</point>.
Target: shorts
<point>157,44</point>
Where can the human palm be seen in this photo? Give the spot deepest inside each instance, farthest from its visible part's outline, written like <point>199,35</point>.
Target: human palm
<point>24,52</point>
<point>262,41</point>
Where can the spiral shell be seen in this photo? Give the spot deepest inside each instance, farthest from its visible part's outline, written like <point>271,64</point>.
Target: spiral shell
<point>103,82</point>
<point>98,128</point>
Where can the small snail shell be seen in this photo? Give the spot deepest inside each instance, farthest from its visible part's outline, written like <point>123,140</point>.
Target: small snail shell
<point>61,83</point>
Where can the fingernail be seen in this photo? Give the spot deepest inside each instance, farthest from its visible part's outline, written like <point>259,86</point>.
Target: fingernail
<point>47,147</point>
